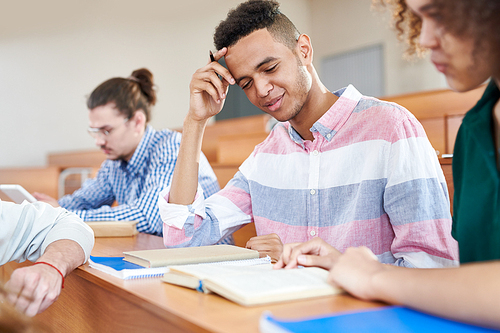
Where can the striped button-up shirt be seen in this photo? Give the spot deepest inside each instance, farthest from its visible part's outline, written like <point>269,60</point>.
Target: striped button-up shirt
<point>370,177</point>
<point>136,185</point>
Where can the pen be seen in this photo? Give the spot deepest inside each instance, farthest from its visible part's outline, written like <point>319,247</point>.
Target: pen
<point>212,59</point>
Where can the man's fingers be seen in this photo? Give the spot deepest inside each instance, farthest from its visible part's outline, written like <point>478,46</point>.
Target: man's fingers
<point>207,81</point>
<point>34,305</point>
<point>219,54</point>
<point>219,69</point>
<point>225,76</point>
<point>32,289</point>
<point>325,262</point>
<point>209,89</point>
<point>43,298</point>
<point>279,264</point>
<point>307,248</point>
<point>219,85</point>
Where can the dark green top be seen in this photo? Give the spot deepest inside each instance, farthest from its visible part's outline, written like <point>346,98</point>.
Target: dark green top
<point>476,205</point>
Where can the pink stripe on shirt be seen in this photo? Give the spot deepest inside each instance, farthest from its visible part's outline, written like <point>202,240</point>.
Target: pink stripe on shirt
<point>437,240</point>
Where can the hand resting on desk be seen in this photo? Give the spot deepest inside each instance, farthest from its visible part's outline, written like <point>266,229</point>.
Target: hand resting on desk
<point>34,288</point>
<point>267,245</point>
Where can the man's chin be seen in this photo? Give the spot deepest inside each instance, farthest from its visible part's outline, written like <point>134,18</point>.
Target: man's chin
<point>111,156</point>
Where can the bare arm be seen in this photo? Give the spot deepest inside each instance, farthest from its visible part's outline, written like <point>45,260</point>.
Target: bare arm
<point>33,289</point>
<point>207,94</point>
<point>470,293</point>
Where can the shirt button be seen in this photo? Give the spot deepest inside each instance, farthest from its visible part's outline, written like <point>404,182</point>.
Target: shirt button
<point>328,135</point>
<point>313,192</point>
<point>313,233</point>
<point>315,153</point>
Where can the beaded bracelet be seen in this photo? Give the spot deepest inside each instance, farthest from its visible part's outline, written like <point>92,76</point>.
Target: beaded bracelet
<point>54,267</point>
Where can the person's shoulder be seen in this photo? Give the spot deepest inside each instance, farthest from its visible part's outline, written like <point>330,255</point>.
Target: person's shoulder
<point>167,136</point>
<point>390,111</point>
<point>163,146</point>
<point>165,140</point>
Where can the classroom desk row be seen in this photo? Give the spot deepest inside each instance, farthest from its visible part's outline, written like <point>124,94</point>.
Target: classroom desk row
<point>93,301</point>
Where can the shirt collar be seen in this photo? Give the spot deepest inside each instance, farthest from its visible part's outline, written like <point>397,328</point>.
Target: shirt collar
<point>333,119</point>
<point>140,154</point>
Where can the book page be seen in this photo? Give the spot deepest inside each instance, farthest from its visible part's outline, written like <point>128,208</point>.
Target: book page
<point>260,287</point>
<point>204,271</point>
<point>191,276</point>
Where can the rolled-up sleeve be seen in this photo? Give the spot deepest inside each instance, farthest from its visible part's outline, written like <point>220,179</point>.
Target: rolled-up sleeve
<point>27,229</point>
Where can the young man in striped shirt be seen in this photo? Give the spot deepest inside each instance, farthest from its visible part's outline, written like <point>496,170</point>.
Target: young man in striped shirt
<point>350,169</point>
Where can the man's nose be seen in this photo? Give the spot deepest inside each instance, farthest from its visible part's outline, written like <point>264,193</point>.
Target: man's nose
<point>99,140</point>
<point>263,87</point>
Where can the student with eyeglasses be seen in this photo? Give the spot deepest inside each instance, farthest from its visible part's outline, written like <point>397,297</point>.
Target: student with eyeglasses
<point>140,160</point>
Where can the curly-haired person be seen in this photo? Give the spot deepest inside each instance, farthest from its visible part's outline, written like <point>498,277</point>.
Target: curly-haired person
<point>463,38</point>
<point>351,169</point>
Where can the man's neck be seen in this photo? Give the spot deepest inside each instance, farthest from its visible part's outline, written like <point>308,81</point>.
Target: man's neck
<point>319,101</point>
<point>129,156</point>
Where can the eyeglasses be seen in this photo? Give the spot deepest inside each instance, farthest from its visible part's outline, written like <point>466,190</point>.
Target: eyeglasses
<point>102,132</point>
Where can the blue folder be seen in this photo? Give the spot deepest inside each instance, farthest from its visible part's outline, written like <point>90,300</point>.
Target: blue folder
<point>392,319</point>
<point>117,263</point>
<point>122,269</point>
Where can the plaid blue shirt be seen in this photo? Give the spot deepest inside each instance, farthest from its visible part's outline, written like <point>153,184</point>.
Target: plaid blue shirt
<point>136,185</point>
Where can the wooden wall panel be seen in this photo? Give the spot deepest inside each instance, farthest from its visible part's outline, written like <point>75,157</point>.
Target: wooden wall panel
<point>234,149</point>
<point>77,158</point>
<point>453,123</point>
<point>438,103</point>
<point>435,129</point>
<point>32,179</point>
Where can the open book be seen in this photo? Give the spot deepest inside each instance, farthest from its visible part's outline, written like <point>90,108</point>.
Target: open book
<point>253,285</point>
<point>189,255</point>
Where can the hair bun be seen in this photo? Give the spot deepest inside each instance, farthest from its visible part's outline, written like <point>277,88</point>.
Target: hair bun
<point>145,79</point>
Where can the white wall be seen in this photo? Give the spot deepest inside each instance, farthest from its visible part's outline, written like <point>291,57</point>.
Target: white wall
<point>345,25</point>
<point>53,53</point>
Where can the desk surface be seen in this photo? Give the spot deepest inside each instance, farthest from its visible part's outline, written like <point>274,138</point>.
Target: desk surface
<point>93,301</point>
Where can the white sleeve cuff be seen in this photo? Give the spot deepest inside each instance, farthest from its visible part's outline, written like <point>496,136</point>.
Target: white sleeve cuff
<point>175,215</point>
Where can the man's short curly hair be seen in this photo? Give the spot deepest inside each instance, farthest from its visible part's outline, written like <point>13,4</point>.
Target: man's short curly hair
<point>254,15</point>
<point>476,19</point>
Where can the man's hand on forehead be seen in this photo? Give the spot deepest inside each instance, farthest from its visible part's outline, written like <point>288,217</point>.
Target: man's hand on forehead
<point>215,58</point>
<point>208,88</point>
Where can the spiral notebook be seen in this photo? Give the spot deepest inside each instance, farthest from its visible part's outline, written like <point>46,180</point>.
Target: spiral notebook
<point>122,269</point>
<point>125,270</point>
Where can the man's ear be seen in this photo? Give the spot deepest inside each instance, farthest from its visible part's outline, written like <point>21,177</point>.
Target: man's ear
<point>305,49</point>
<point>139,120</point>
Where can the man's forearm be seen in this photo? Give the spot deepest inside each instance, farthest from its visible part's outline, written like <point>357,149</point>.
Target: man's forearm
<point>185,177</point>
<point>64,254</point>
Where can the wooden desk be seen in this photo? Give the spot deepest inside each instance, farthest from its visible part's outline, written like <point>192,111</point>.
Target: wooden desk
<point>93,301</point>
